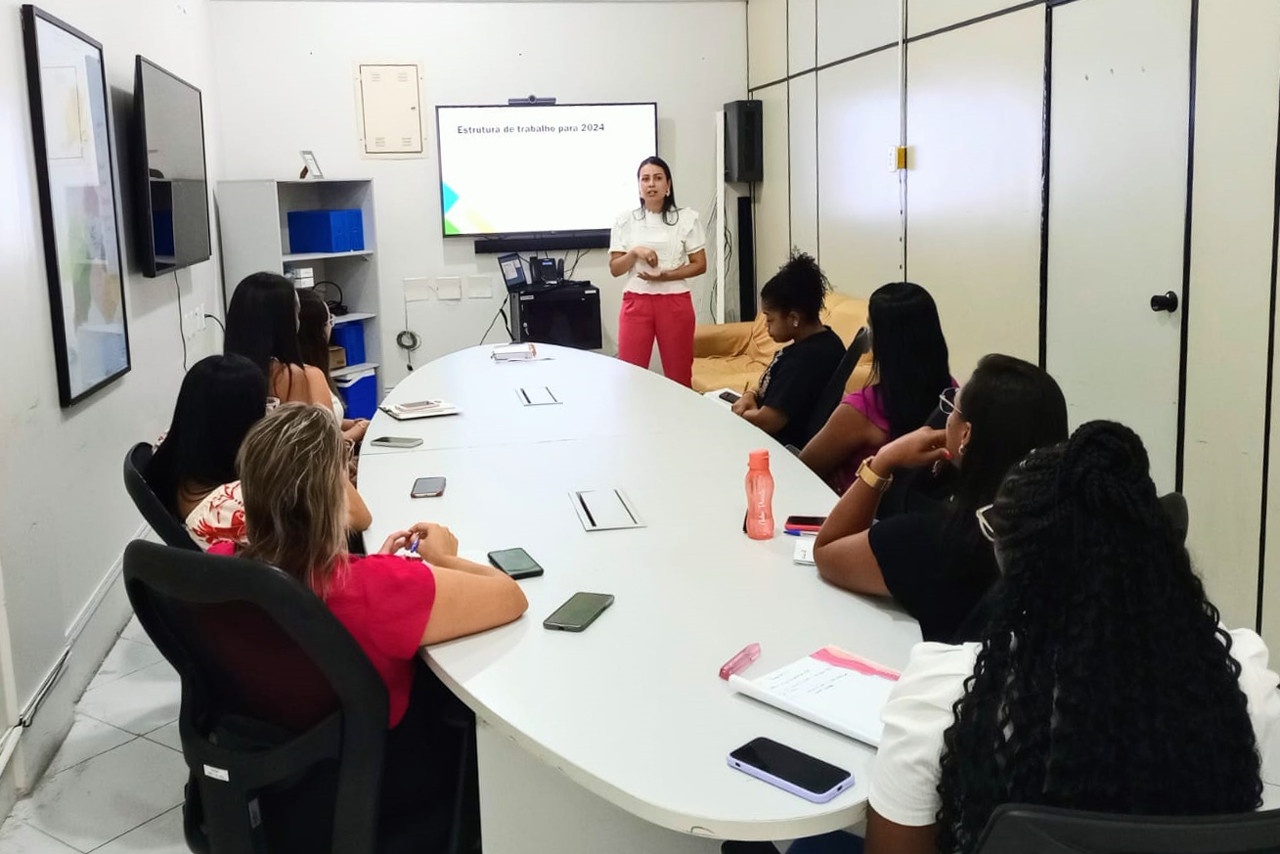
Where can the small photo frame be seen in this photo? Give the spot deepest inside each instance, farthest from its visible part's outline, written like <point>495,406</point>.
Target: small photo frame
<point>310,168</point>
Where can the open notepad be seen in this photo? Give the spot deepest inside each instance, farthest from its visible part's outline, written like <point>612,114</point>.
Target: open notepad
<point>831,687</point>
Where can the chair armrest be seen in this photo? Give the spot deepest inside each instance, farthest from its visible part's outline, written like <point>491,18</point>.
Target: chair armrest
<point>721,339</point>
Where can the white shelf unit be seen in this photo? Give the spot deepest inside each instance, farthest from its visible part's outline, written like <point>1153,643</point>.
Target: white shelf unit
<point>254,227</point>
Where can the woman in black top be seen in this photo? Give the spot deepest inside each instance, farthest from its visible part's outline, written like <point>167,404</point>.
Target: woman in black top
<point>790,387</point>
<point>938,565</point>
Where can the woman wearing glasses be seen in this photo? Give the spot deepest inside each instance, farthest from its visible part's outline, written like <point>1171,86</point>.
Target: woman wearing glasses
<point>1103,681</point>
<point>938,565</point>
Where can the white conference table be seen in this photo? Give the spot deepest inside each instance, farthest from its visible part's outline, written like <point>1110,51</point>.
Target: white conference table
<point>615,739</point>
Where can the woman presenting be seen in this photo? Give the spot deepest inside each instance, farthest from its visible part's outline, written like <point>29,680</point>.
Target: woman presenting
<point>657,247</point>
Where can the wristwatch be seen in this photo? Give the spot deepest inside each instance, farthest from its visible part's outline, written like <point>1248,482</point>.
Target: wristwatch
<point>871,479</point>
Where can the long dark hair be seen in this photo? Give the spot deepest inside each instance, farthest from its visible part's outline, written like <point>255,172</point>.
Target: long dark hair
<point>1012,407</point>
<point>670,213</point>
<point>1104,681</point>
<point>262,321</point>
<point>313,337</point>
<point>909,352</point>
<point>220,399</point>
<point>799,286</point>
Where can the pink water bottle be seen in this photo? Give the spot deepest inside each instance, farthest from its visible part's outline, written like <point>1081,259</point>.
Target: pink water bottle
<point>759,497</point>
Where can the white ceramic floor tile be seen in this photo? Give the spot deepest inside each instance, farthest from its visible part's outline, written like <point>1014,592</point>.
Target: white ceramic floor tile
<point>125,657</point>
<point>94,802</point>
<point>19,838</point>
<point>167,735</point>
<point>139,702</point>
<point>88,737</point>
<point>134,632</point>
<point>161,835</point>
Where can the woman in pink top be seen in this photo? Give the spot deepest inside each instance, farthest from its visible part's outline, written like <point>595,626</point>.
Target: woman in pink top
<point>909,371</point>
<point>293,466</point>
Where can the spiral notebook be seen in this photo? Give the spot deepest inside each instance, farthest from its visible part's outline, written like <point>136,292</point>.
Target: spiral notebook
<point>831,687</point>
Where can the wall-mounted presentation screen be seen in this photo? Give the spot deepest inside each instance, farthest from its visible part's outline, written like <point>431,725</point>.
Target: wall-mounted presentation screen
<point>537,169</point>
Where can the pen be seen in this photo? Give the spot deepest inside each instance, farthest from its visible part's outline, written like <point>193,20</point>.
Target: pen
<point>413,544</point>
<point>748,654</point>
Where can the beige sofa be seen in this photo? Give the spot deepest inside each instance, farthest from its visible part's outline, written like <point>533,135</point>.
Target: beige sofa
<point>734,355</point>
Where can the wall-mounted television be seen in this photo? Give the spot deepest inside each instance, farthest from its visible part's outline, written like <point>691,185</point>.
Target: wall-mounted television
<point>170,185</point>
<point>559,171</point>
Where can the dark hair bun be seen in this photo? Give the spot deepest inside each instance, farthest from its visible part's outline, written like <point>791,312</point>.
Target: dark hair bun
<point>1106,467</point>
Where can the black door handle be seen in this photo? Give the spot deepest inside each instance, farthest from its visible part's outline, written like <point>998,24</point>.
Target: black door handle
<point>1167,301</point>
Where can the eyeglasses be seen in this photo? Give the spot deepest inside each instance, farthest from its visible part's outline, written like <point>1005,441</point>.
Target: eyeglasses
<point>947,402</point>
<point>984,524</point>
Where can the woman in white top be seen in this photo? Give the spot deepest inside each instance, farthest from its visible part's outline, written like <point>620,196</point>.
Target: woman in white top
<point>1103,680</point>
<point>657,246</point>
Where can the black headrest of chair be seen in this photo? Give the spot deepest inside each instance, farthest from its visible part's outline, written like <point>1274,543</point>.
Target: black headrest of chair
<point>167,526</point>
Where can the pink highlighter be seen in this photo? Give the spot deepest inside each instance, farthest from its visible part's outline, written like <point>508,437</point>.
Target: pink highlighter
<point>741,661</point>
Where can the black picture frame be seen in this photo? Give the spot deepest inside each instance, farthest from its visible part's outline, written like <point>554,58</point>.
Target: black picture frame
<point>76,179</point>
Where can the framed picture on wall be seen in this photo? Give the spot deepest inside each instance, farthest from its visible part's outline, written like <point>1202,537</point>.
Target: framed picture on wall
<point>75,173</point>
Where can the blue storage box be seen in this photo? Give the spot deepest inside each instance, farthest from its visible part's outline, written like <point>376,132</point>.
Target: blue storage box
<point>359,394</point>
<point>350,337</point>
<point>326,231</point>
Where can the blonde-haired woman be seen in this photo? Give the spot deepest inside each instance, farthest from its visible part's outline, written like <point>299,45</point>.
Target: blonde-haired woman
<point>293,468</point>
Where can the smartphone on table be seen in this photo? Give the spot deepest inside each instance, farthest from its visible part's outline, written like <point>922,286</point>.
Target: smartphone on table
<point>427,487</point>
<point>579,612</point>
<point>515,563</point>
<point>804,524</point>
<point>790,770</point>
<point>395,442</point>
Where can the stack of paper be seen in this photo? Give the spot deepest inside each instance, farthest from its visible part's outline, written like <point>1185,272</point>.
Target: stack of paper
<point>831,687</point>
<point>419,409</point>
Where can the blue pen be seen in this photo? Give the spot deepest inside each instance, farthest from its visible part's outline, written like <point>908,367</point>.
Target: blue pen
<point>791,533</point>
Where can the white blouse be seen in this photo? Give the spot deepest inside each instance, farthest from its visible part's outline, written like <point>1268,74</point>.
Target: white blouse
<point>904,787</point>
<point>673,242</point>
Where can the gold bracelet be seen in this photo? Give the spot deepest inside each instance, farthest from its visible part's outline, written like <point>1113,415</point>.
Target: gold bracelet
<point>871,479</point>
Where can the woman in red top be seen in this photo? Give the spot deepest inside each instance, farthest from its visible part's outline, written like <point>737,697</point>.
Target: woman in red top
<point>293,467</point>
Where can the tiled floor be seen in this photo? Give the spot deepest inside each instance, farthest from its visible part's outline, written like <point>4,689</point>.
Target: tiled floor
<point>115,786</point>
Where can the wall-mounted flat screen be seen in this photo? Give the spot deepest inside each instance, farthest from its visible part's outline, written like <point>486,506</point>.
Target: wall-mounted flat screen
<point>171,188</point>
<point>510,170</point>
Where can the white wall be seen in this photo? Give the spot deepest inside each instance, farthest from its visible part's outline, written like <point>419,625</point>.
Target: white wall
<point>64,514</point>
<point>286,71</point>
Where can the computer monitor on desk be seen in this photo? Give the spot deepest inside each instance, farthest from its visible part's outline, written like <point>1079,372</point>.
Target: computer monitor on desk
<point>565,313</point>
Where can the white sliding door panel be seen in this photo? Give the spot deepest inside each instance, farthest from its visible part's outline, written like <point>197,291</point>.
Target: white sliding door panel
<point>804,163</point>
<point>1232,221</point>
<point>859,206</point>
<point>849,27</point>
<point>766,41</point>
<point>802,36</point>
<point>1117,213</point>
<point>772,209</point>
<point>975,126</point>
<point>925,16</point>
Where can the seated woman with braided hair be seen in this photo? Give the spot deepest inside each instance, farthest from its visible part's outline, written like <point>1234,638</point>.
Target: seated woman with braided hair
<point>1103,680</point>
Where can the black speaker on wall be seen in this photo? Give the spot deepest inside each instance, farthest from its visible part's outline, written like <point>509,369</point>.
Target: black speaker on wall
<point>743,141</point>
<point>746,261</point>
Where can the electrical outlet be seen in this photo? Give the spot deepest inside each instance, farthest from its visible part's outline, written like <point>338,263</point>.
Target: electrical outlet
<point>198,311</point>
<point>190,324</point>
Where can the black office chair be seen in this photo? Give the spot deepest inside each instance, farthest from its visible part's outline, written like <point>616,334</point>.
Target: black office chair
<point>1022,829</point>
<point>167,526</point>
<point>833,391</point>
<point>283,718</point>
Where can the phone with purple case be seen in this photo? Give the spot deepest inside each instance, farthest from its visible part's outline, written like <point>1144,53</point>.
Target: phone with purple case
<point>790,770</point>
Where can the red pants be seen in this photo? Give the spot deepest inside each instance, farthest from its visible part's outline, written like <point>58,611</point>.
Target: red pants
<point>670,318</point>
